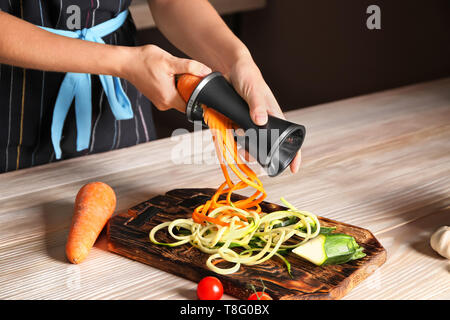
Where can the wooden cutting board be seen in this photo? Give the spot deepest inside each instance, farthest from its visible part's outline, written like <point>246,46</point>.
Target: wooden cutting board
<point>128,232</point>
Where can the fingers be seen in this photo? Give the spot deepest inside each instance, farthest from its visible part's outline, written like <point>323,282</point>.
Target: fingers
<point>196,68</point>
<point>258,109</point>
<point>295,164</point>
<point>178,103</point>
<point>274,108</point>
<point>181,66</point>
<point>153,72</point>
<point>263,104</point>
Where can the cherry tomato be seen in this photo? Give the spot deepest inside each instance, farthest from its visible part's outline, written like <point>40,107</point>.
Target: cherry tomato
<point>259,296</point>
<point>210,288</point>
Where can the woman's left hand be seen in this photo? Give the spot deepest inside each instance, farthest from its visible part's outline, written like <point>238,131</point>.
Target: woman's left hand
<point>248,81</point>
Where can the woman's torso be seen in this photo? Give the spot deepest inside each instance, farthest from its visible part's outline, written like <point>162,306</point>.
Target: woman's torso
<point>27,97</point>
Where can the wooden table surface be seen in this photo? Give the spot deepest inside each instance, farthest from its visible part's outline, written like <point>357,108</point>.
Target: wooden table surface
<point>379,161</point>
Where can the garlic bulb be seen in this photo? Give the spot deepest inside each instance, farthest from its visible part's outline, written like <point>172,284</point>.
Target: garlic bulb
<point>440,241</point>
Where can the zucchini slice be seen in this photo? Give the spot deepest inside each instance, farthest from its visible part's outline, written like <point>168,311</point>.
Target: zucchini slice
<point>330,248</point>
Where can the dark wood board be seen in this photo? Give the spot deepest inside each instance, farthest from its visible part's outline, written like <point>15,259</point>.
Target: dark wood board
<point>128,232</point>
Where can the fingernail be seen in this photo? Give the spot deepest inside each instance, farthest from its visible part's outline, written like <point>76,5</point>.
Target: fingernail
<point>261,119</point>
<point>296,165</point>
<point>206,70</point>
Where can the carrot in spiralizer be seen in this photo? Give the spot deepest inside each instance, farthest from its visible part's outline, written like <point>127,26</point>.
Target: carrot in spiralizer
<point>94,205</point>
<point>186,83</point>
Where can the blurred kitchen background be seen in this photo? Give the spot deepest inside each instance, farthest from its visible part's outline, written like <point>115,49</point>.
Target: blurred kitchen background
<point>312,52</point>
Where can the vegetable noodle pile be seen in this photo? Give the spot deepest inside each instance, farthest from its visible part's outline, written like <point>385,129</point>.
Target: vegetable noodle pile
<point>238,233</point>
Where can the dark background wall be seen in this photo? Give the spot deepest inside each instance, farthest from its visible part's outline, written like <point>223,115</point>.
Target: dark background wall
<point>311,52</point>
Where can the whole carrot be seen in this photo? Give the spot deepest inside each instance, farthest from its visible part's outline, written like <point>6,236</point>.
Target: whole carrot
<point>94,205</point>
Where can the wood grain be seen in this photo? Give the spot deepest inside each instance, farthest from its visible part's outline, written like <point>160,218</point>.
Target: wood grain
<point>379,161</point>
<point>128,236</point>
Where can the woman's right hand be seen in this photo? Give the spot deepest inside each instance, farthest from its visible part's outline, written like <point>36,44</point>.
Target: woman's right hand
<point>152,71</point>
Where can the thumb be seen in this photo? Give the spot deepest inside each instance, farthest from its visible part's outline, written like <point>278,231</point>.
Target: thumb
<point>196,68</point>
<point>258,111</point>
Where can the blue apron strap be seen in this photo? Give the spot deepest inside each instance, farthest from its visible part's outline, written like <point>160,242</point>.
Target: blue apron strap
<point>83,115</point>
<point>78,86</point>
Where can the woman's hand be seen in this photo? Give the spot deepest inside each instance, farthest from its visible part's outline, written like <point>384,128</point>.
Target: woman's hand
<point>152,71</point>
<point>248,81</point>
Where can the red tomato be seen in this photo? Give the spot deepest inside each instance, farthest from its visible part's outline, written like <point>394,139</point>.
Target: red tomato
<point>260,296</point>
<point>210,288</point>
